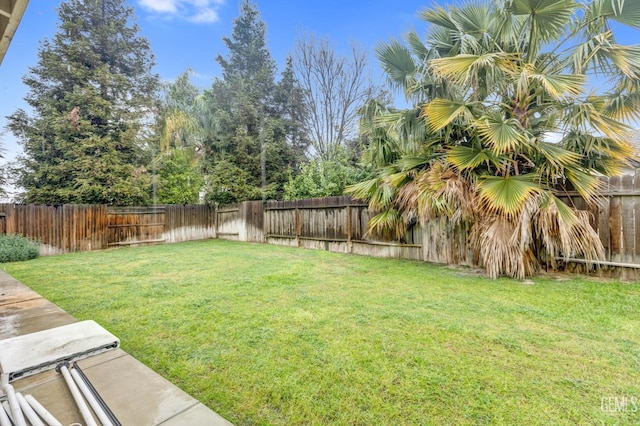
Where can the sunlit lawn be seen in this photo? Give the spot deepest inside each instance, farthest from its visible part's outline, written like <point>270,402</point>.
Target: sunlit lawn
<point>272,335</point>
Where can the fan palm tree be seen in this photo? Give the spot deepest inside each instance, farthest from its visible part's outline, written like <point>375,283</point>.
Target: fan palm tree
<point>506,118</point>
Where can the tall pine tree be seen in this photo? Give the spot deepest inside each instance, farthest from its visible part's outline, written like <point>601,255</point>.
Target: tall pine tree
<point>256,126</point>
<point>90,94</point>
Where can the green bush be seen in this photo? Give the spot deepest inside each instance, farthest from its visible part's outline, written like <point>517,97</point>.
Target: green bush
<point>324,179</point>
<point>14,248</point>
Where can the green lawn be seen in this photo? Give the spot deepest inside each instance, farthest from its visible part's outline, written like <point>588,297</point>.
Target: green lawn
<point>272,335</point>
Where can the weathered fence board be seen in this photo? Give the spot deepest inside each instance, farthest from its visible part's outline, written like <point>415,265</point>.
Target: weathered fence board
<point>628,222</point>
<point>229,222</point>
<point>188,223</point>
<point>335,224</point>
<point>69,228</point>
<point>59,229</point>
<point>135,225</point>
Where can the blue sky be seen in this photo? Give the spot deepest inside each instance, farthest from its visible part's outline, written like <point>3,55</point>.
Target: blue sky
<point>188,33</point>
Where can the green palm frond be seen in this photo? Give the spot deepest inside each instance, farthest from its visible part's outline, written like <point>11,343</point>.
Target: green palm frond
<point>547,20</point>
<point>626,59</point>
<point>585,184</point>
<point>397,63</point>
<point>398,179</point>
<point>556,155</point>
<point>622,107</point>
<point>599,153</point>
<point>502,135</point>
<point>412,163</point>
<point>586,115</point>
<point>383,149</point>
<point>442,40</point>
<point>510,30</point>
<point>549,17</point>
<point>626,12</point>
<point>612,128</point>
<point>559,86</point>
<point>461,67</point>
<point>476,20</point>
<point>506,195</point>
<point>438,16</point>
<point>422,52</point>
<point>592,53</point>
<point>471,157</point>
<point>411,130</point>
<point>364,190</point>
<point>441,112</point>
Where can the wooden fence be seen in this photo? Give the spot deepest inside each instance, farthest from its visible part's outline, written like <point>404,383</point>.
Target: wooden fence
<point>336,224</point>
<point>59,229</point>
<point>68,228</point>
<point>616,218</point>
<point>340,224</point>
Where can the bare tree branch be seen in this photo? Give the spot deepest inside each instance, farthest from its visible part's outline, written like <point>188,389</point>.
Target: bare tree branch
<point>335,87</point>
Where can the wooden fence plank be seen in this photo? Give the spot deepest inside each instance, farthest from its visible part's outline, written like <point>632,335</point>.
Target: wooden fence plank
<point>628,221</point>
<point>615,221</point>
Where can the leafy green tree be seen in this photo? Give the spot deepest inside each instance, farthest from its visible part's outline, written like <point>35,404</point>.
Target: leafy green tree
<point>230,184</point>
<point>320,178</point>
<point>179,177</point>
<point>255,122</point>
<point>178,154</point>
<point>180,118</point>
<point>494,84</point>
<point>89,95</point>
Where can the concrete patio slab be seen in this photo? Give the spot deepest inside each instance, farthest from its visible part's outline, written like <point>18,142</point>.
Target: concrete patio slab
<point>12,290</point>
<point>136,394</point>
<point>196,415</point>
<point>161,399</point>
<point>29,316</point>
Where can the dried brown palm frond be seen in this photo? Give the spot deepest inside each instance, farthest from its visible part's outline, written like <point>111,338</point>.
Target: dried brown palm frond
<point>564,232</point>
<point>507,245</point>
<point>439,191</point>
<point>495,238</point>
<point>388,224</point>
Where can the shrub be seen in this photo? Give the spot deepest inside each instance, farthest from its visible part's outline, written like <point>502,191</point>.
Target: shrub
<point>323,179</point>
<point>15,248</point>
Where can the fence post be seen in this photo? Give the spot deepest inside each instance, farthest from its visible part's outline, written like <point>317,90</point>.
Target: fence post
<point>215,220</point>
<point>349,228</point>
<point>296,220</point>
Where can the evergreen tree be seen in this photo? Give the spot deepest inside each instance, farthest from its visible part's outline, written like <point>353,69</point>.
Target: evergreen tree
<point>255,127</point>
<point>90,94</point>
<point>291,108</point>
